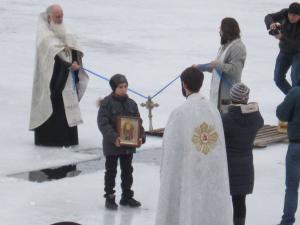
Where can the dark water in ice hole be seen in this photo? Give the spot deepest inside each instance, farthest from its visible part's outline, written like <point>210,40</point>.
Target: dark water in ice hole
<point>149,156</point>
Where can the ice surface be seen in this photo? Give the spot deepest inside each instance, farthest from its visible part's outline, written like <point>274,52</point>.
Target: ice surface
<point>151,42</point>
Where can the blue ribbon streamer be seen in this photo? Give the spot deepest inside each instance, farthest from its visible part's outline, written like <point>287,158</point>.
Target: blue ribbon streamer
<point>201,67</point>
<point>74,80</point>
<point>226,81</point>
<point>206,68</point>
<point>167,85</point>
<point>105,78</point>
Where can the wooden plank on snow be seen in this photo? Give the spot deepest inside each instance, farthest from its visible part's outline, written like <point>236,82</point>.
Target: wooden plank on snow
<point>266,135</point>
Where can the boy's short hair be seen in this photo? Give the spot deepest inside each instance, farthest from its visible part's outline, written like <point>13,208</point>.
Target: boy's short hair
<point>192,78</point>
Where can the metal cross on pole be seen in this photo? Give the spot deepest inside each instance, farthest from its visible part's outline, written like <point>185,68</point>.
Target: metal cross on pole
<point>149,104</point>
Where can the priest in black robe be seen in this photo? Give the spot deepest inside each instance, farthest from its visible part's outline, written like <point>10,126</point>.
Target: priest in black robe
<point>59,83</point>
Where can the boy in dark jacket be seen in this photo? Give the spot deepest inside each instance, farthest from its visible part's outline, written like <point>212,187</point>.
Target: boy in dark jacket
<point>289,110</point>
<point>117,104</point>
<point>285,26</point>
<point>241,123</point>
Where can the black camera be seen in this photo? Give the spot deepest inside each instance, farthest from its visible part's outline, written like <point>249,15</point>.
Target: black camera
<point>274,32</point>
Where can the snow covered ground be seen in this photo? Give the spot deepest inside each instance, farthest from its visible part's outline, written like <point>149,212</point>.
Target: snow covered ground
<point>151,42</point>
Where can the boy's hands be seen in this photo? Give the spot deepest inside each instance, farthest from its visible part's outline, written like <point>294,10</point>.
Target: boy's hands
<point>140,142</point>
<point>117,142</point>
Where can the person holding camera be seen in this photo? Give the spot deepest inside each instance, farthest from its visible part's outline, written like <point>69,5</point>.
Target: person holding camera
<point>285,26</point>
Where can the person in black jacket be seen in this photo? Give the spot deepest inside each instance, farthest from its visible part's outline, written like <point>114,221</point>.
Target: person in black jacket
<point>117,104</point>
<point>289,110</point>
<point>241,123</point>
<point>285,26</point>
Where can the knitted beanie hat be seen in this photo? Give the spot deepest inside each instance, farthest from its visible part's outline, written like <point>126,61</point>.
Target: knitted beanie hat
<point>117,79</point>
<point>239,93</point>
<point>294,8</point>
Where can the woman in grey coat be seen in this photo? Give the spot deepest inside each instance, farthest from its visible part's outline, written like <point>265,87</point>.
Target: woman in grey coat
<point>228,66</point>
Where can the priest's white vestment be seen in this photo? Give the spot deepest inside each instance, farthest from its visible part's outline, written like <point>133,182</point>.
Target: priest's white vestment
<point>194,188</point>
<point>48,46</point>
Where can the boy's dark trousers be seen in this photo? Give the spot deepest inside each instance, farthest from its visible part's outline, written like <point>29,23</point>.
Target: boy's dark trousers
<point>239,209</point>
<point>111,164</point>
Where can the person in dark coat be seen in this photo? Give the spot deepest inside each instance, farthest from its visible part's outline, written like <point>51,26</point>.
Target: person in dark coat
<point>285,26</point>
<point>241,123</point>
<point>117,104</point>
<point>289,110</point>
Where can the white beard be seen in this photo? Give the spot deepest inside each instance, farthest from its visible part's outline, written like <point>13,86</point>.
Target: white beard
<point>59,31</point>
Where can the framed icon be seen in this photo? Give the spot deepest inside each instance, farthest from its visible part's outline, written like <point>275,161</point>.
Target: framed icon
<point>129,130</point>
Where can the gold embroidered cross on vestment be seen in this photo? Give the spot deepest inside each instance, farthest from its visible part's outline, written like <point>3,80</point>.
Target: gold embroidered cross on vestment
<point>205,138</point>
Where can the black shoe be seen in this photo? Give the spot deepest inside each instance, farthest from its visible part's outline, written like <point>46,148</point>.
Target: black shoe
<point>110,202</point>
<point>131,202</point>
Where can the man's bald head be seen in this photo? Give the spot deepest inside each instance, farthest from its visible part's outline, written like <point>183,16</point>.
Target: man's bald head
<point>55,14</point>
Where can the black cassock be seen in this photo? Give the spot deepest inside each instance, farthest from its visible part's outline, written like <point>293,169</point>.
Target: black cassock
<point>56,131</point>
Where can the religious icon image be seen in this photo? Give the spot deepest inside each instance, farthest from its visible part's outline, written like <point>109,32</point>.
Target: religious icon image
<point>205,138</point>
<point>129,130</point>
